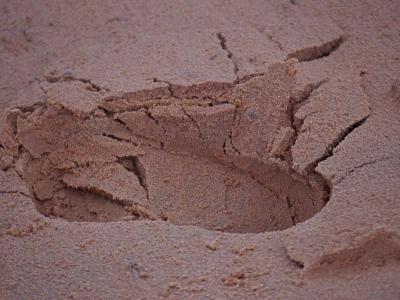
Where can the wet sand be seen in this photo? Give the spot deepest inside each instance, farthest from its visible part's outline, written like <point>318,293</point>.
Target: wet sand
<point>205,150</point>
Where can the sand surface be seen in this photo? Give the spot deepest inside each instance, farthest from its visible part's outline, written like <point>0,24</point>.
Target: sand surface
<point>200,149</point>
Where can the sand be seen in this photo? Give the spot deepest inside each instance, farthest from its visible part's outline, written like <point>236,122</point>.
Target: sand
<point>205,150</point>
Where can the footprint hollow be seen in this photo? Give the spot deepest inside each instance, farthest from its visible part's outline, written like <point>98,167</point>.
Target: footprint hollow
<point>194,159</point>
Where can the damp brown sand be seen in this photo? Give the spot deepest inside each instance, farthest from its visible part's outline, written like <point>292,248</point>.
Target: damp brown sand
<point>152,155</point>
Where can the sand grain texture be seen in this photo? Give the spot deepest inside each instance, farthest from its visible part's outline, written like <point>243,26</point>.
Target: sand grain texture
<point>200,150</point>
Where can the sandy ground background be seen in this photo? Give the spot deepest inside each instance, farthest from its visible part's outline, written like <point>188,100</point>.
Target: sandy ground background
<point>349,134</point>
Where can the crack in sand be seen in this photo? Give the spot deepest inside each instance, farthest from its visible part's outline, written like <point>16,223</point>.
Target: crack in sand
<point>67,76</point>
<point>336,142</point>
<point>136,167</point>
<point>170,86</point>
<point>235,122</point>
<point>15,192</point>
<point>222,42</point>
<point>275,41</point>
<point>190,117</point>
<point>360,166</point>
<point>295,104</point>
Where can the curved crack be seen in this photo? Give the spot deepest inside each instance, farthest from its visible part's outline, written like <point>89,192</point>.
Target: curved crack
<point>222,42</point>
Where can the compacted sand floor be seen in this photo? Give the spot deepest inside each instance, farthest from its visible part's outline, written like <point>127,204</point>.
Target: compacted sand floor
<point>200,149</point>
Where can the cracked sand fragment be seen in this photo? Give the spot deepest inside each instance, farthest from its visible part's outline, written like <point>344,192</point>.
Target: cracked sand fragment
<point>179,129</point>
<point>262,111</point>
<point>380,147</point>
<point>173,126</point>
<point>253,56</point>
<point>56,130</point>
<point>323,121</point>
<point>114,181</point>
<point>140,123</point>
<point>137,100</point>
<point>214,123</point>
<point>8,143</point>
<point>62,149</point>
<point>281,142</point>
<point>74,95</point>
